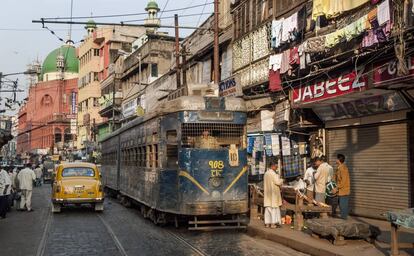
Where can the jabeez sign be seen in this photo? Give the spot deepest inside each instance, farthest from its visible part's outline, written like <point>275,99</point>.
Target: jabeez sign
<point>330,88</point>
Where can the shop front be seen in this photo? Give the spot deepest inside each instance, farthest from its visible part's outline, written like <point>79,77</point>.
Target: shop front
<point>373,127</point>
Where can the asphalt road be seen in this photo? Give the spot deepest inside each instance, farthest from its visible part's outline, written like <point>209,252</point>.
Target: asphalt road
<point>117,231</point>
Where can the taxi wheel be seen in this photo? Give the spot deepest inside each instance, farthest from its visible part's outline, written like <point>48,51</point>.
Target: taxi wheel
<point>99,207</point>
<point>56,208</point>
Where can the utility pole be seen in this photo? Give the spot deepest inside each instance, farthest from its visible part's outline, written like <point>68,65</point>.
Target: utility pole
<point>216,43</point>
<point>177,51</point>
<point>184,67</point>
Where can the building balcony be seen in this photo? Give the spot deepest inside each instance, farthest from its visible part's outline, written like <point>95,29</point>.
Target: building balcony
<point>109,107</point>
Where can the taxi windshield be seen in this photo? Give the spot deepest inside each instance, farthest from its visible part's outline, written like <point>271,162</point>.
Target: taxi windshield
<point>78,172</point>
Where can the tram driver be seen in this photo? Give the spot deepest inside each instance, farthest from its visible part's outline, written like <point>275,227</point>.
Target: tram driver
<point>206,141</point>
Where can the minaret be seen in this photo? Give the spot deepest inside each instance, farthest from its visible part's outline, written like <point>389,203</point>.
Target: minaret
<point>152,22</point>
<point>90,27</point>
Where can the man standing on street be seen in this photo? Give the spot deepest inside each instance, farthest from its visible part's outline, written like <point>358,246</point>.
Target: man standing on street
<point>38,172</point>
<point>5,183</point>
<point>272,196</point>
<point>309,178</point>
<point>26,178</point>
<point>323,175</point>
<point>343,185</point>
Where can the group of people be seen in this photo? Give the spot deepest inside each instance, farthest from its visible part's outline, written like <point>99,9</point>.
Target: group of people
<point>16,184</point>
<point>323,185</point>
<point>328,186</point>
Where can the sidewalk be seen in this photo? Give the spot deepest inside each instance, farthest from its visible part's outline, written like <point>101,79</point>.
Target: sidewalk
<point>304,242</point>
<point>24,230</point>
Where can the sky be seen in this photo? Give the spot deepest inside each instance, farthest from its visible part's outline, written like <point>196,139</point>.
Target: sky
<point>22,41</point>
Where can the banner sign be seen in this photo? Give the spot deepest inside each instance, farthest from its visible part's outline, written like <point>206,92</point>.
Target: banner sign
<point>358,108</point>
<point>386,74</point>
<point>74,104</point>
<point>331,88</point>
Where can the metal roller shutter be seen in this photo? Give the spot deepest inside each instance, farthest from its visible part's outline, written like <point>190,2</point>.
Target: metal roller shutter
<point>378,160</point>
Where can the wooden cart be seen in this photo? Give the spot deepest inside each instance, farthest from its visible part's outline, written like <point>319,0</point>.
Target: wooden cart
<point>292,200</point>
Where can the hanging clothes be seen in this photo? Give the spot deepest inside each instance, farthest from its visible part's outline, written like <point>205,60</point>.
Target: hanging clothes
<point>275,82</point>
<point>289,25</point>
<point>276,33</point>
<point>285,66</point>
<point>275,145</point>
<point>268,143</point>
<point>384,12</point>
<point>356,28</point>
<point>334,38</point>
<point>333,8</point>
<point>302,56</point>
<point>315,44</point>
<point>294,56</point>
<point>275,61</point>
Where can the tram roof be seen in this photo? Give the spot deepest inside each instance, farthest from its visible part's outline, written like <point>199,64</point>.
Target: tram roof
<point>183,103</point>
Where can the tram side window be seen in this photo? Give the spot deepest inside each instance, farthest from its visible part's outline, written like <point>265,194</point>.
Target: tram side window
<point>144,156</point>
<point>149,156</point>
<point>172,149</point>
<point>155,158</point>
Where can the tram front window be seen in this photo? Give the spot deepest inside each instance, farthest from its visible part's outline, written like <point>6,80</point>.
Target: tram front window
<point>212,135</point>
<point>206,141</point>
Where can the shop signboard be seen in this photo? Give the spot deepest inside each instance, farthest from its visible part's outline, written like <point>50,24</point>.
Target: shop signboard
<point>378,104</point>
<point>385,74</point>
<point>129,108</point>
<point>228,88</point>
<point>73,126</point>
<point>328,89</point>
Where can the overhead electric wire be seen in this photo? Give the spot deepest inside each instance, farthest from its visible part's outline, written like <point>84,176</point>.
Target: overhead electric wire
<point>163,9</point>
<point>202,12</point>
<point>165,18</point>
<point>127,14</point>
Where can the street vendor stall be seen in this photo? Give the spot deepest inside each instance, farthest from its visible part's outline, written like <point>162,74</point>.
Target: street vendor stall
<point>400,218</point>
<point>293,200</point>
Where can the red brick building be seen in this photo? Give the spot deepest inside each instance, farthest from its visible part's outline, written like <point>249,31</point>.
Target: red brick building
<point>46,118</point>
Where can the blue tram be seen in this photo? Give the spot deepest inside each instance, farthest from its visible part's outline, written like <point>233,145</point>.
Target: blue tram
<point>186,159</point>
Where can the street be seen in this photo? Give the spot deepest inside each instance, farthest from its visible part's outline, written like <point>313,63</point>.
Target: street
<point>116,231</point>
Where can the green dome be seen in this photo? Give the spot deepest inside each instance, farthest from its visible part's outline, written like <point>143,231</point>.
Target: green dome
<point>152,5</point>
<point>90,24</point>
<point>71,60</point>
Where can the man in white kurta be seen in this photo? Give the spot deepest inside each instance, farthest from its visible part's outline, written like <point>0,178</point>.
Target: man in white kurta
<point>272,196</point>
<point>26,178</point>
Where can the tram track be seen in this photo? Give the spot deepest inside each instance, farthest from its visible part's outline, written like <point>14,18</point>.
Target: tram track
<point>108,228</point>
<point>42,245</point>
<point>184,242</point>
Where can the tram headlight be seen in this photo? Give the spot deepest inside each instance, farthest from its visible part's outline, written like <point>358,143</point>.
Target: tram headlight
<point>215,182</point>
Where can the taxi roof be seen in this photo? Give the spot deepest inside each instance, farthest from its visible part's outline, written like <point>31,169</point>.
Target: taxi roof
<point>77,164</point>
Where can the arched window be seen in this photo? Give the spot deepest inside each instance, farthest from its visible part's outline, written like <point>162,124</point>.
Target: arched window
<point>58,135</point>
<point>68,136</point>
<point>46,100</point>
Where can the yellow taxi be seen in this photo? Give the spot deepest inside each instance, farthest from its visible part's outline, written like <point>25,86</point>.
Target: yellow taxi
<point>77,183</point>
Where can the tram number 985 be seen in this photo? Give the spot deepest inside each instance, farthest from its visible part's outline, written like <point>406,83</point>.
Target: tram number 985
<point>216,168</point>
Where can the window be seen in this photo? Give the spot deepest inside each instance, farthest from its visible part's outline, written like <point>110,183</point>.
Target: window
<point>96,102</point>
<point>172,149</point>
<point>155,158</point>
<point>78,172</point>
<point>95,52</point>
<point>95,76</point>
<point>149,156</point>
<point>154,70</point>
